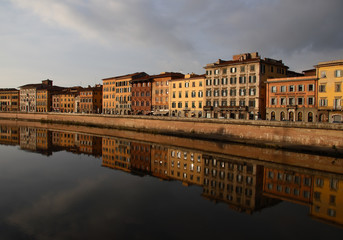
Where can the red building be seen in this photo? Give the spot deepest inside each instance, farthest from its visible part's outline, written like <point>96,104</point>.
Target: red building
<point>292,99</point>
<point>141,95</point>
<point>91,99</point>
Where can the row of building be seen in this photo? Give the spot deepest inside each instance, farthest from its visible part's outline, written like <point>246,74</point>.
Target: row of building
<point>240,182</point>
<point>246,87</point>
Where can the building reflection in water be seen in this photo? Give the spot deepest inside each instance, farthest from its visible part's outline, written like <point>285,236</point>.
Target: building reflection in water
<point>236,182</point>
<point>245,185</point>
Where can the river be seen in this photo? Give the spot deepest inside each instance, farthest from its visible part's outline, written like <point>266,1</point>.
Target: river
<point>60,182</point>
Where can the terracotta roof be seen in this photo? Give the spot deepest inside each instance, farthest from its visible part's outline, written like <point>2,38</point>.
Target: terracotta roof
<point>8,89</point>
<point>329,63</point>
<point>145,78</point>
<point>126,76</point>
<point>167,74</point>
<point>195,76</point>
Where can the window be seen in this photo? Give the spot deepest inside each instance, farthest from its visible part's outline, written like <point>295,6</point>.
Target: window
<point>208,93</point>
<point>338,73</point>
<point>186,84</point>
<point>224,70</point>
<point>251,103</point>
<point>291,88</point>
<point>233,80</point>
<point>282,101</point>
<point>179,104</point>
<point>334,184</point>
<point>273,89</point>
<point>216,72</point>
<point>323,102</point>
<point>322,88</point>
<point>319,182</point>
<point>242,92</point>
<point>291,101</point>
<point>194,94</point>
<point>232,70</point>
<point>242,79</point>
<point>300,101</point>
<point>263,68</point>
<point>283,89</point>
<point>273,101</point>
<point>300,88</point>
<point>323,74</point>
<point>317,196</point>
<point>242,68</point>
<point>252,79</point>
<point>338,87</point>
<point>224,81</point>
<point>200,93</point>
<point>331,212</point>
<point>180,85</point>
<point>332,200</point>
<point>310,101</point>
<point>208,82</point>
<point>252,91</point>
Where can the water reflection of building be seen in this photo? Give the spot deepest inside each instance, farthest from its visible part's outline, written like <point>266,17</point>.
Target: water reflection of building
<point>140,158</point>
<point>89,144</point>
<point>288,185</point>
<point>116,154</point>
<point>66,140</point>
<point>35,140</point>
<point>238,183</point>
<point>9,135</point>
<point>328,199</point>
<point>160,162</point>
<point>186,166</point>
<point>28,138</point>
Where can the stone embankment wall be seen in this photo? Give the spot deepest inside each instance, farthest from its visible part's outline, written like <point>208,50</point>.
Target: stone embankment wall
<point>277,134</point>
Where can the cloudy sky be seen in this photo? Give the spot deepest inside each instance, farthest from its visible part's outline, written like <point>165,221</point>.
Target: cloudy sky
<point>80,42</point>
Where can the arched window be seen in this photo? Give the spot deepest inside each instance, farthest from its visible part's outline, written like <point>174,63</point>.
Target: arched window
<point>310,117</point>
<point>300,116</point>
<point>282,116</point>
<point>291,116</point>
<point>272,115</point>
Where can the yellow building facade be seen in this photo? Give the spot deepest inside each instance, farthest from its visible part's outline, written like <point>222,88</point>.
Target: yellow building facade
<point>186,166</point>
<point>330,94</point>
<point>186,96</point>
<point>328,200</point>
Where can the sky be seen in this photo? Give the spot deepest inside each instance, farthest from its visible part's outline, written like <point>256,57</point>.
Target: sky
<point>80,42</point>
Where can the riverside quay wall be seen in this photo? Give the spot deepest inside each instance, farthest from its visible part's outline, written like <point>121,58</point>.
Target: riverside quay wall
<point>296,135</point>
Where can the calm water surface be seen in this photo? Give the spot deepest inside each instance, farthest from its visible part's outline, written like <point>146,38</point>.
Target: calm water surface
<point>67,185</point>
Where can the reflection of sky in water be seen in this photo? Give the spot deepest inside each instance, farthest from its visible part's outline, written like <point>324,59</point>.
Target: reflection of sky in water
<point>66,196</point>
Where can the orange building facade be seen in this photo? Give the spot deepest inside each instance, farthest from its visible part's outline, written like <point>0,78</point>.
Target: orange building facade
<point>9,100</point>
<point>160,92</point>
<point>117,93</point>
<point>292,99</point>
<point>91,100</point>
